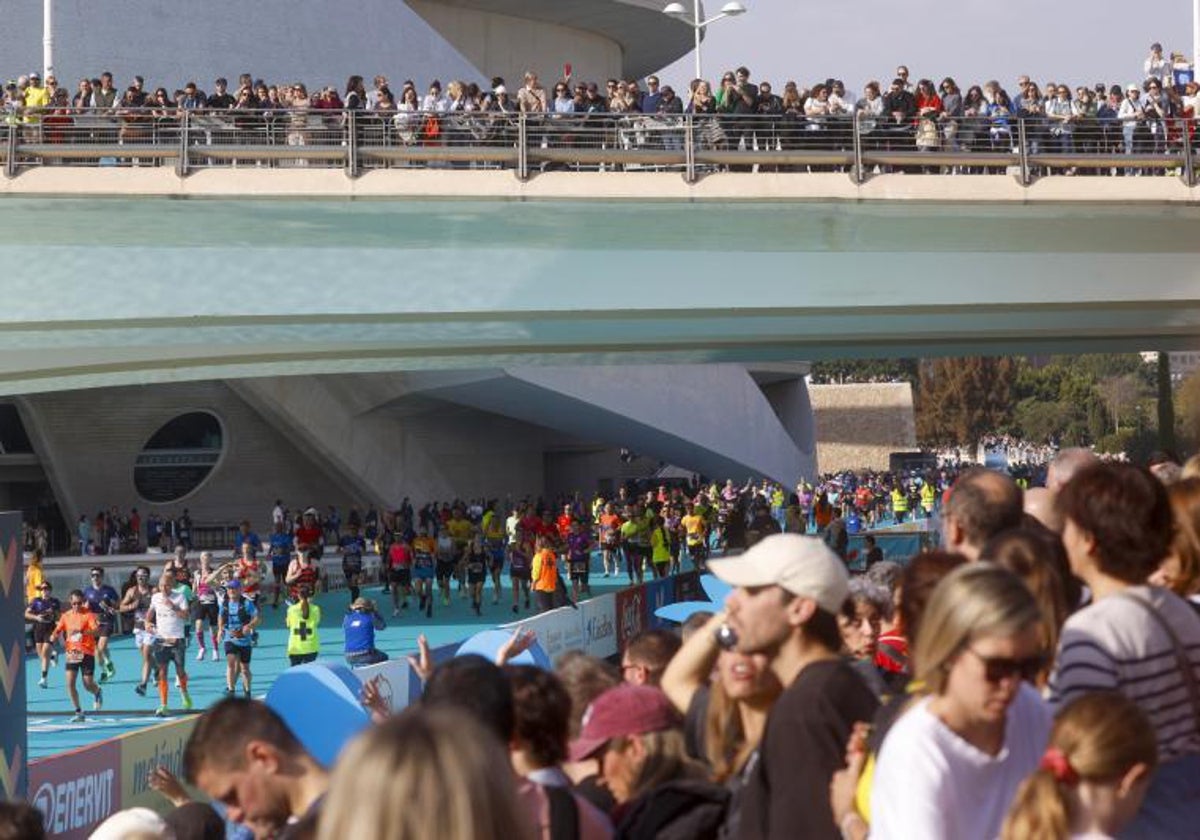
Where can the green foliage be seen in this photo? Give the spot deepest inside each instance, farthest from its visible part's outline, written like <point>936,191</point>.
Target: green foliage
<point>961,400</point>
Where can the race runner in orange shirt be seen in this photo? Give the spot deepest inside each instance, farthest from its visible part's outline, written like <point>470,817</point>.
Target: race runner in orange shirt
<point>80,628</point>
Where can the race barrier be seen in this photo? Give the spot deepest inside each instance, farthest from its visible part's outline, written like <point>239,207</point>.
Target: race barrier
<point>77,790</point>
<point>14,737</point>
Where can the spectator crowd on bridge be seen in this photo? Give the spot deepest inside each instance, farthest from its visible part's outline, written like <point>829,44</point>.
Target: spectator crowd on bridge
<point>1151,114</point>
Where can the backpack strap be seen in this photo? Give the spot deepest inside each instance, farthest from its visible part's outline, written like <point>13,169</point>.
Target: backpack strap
<point>1182,660</point>
<point>564,813</point>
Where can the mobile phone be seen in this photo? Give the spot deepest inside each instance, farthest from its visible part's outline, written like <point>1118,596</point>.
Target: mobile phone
<point>567,70</point>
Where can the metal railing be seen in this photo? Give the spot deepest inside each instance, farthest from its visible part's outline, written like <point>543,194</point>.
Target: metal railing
<point>691,144</point>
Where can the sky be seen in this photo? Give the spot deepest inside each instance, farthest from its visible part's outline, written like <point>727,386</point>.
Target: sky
<point>1078,41</point>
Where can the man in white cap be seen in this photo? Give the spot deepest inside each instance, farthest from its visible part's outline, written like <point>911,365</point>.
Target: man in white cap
<point>788,592</point>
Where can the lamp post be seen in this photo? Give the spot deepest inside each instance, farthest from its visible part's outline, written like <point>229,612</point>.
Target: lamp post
<point>731,9</point>
<point>47,38</point>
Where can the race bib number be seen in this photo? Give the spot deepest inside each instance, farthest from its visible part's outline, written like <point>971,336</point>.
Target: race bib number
<point>74,657</point>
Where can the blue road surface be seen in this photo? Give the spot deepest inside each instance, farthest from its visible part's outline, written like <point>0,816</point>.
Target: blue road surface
<point>50,729</point>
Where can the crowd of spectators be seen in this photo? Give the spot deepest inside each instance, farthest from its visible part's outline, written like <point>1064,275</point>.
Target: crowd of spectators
<point>1152,114</point>
<point>1035,676</point>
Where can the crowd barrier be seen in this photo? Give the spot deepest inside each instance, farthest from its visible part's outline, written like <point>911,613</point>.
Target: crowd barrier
<point>526,143</point>
<point>77,790</point>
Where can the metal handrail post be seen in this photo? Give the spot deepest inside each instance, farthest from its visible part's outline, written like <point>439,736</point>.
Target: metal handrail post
<point>1023,153</point>
<point>860,174</point>
<point>522,148</point>
<point>181,166</point>
<point>351,145</point>
<point>10,164</point>
<point>689,148</point>
<point>1189,165</point>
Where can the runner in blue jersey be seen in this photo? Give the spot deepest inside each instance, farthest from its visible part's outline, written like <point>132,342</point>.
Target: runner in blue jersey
<point>103,600</point>
<point>280,551</point>
<point>352,547</point>
<point>237,620</point>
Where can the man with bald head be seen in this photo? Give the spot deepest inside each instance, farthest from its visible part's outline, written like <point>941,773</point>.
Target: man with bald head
<point>981,504</point>
<point>1039,503</point>
<point>1066,464</point>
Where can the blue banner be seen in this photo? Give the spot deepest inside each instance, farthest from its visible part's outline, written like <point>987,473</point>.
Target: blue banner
<point>14,745</point>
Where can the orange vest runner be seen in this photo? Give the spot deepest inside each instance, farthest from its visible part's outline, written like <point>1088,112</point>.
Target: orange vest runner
<point>73,625</point>
<point>545,571</point>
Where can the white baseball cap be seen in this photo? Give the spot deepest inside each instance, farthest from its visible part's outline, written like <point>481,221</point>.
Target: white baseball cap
<point>804,566</point>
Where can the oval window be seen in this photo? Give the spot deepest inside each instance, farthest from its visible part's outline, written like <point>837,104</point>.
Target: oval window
<point>178,457</point>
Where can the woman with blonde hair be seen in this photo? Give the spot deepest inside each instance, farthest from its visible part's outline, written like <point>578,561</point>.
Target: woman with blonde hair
<point>1093,775</point>
<point>1180,569</point>
<point>950,766</point>
<point>423,768</point>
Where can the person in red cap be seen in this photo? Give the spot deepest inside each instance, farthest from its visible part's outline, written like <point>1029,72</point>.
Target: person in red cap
<point>637,736</point>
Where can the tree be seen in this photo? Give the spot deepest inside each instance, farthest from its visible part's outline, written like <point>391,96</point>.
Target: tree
<point>961,400</point>
<point>1166,405</point>
<point>1119,393</point>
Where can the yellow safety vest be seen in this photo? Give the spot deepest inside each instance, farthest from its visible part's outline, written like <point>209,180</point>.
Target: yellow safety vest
<point>899,502</point>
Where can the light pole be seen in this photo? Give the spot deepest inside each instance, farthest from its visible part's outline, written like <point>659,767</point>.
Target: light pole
<point>47,38</point>
<point>731,9</point>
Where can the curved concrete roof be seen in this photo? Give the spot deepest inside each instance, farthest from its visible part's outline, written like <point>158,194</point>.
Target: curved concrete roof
<point>649,40</point>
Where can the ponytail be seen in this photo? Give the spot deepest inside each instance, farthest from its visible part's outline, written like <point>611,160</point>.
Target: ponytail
<point>1039,810</point>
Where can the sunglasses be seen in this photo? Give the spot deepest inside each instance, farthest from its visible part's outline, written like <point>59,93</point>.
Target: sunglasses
<point>997,668</point>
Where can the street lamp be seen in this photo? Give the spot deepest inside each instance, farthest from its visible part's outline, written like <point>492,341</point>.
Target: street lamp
<point>677,11</point>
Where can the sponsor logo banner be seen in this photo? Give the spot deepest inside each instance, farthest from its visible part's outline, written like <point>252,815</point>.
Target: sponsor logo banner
<point>659,593</point>
<point>558,631</point>
<point>396,682</point>
<point>142,751</point>
<point>631,614</point>
<point>599,619</point>
<point>76,791</point>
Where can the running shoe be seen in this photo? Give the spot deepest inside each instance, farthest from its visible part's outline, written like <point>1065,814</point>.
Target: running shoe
<point>395,613</point>
<point>103,675</point>
<point>254,638</point>
<point>214,655</point>
<point>110,669</point>
<point>140,689</point>
<point>161,711</point>
<point>429,609</point>
<point>526,603</point>
<point>178,684</point>
<point>78,717</point>
<point>42,683</point>
<point>53,657</point>
<point>246,693</point>
<point>515,610</point>
<point>200,654</point>
<point>228,691</point>
<point>98,701</point>
<point>495,600</point>
<point>187,701</point>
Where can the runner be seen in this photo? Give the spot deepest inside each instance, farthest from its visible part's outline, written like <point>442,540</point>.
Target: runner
<point>44,611</point>
<point>660,548</point>
<point>475,560</point>
<point>633,540</point>
<point>304,641</point>
<point>447,562</point>
<point>696,528</point>
<point>236,622</point>
<point>400,570</point>
<point>519,571</point>
<point>167,619</point>
<point>579,559</point>
<point>352,548</point>
<point>137,601</point>
<point>304,571</point>
<point>493,542</point>
<point>281,555</point>
<point>672,521</point>
<point>610,540</point>
<point>206,605</point>
<point>460,530</point>
<point>248,571</point>
<point>545,575</point>
<point>424,550</point>
<point>80,629</point>
<point>103,602</point>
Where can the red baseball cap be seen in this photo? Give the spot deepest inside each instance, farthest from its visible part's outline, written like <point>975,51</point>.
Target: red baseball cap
<point>625,710</point>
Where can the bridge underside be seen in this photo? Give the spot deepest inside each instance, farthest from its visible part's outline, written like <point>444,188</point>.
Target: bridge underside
<point>144,291</point>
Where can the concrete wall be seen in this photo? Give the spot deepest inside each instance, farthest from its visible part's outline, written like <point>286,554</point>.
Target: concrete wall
<point>89,440</point>
<point>508,46</point>
<point>858,426</point>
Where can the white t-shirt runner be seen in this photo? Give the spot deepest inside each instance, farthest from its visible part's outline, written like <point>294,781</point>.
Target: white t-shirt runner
<point>168,624</point>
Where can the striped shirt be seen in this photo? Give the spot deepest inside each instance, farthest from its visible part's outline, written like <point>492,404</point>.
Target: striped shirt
<point>1115,644</point>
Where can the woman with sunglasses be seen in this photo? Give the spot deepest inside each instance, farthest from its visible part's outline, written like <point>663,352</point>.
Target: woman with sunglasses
<point>951,765</point>
<point>1134,638</point>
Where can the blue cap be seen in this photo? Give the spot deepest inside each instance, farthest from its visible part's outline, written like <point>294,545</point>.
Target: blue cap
<point>234,584</point>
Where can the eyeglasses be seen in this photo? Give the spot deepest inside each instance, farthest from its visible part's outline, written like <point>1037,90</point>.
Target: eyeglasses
<point>997,668</point>
<point>97,574</point>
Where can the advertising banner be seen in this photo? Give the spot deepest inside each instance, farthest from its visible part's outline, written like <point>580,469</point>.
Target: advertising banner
<point>76,791</point>
<point>557,631</point>
<point>599,620</point>
<point>631,614</point>
<point>396,679</point>
<point>14,744</point>
<point>659,593</point>
<point>146,749</point>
